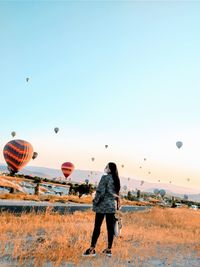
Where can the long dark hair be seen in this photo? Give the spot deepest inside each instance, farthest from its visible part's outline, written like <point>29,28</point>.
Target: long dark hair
<point>114,172</point>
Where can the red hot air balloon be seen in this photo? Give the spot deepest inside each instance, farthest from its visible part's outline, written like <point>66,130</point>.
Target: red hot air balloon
<point>67,168</point>
<point>17,154</point>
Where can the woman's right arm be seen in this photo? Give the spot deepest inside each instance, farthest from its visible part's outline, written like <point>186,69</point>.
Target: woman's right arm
<point>100,192</point>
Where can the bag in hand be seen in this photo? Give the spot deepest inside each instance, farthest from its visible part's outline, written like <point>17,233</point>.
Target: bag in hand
<point>117,226</point>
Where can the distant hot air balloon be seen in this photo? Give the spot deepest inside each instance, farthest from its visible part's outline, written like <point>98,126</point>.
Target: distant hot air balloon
<point>149,172</point>
<point>67,168</point>
<point>106,146</point>
<point>92,159</point>
<point>56,130</point>
<point>13,134</point>
<point>162,192</point>
<point>145,159</point>
<point>128,179</point>
<point>140,167</point>
<point>27,79</point>
<point>142,182</point>
<point>179,144</point>
<point>159,181</point>
<point>17,154</point>
<point>35,154</point>
<point>170,182</point>
<point>124,187</point>
<point>156,191</point>
<point>188,179</point>
<point>122,166</point>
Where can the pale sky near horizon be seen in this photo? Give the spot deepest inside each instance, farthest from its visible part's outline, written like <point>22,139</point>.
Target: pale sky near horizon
<point>124,74</point>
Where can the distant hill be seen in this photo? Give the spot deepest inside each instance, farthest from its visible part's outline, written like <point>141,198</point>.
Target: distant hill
<point>94,177</point>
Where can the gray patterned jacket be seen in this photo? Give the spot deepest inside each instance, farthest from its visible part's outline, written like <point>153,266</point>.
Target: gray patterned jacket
<point>105,198</point>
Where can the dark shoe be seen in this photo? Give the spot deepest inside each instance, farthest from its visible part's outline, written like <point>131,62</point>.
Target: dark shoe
<point>89,252</point>
<point>108,252</point>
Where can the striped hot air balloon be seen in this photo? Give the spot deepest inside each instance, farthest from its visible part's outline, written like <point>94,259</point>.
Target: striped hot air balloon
<point>67,168</point>
<point>17,154</point>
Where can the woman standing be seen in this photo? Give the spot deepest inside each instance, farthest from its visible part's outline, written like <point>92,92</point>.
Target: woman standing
<point>105,203</point>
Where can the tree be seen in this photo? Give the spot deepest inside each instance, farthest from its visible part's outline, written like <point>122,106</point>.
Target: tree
<point>138,194</point>
<point>37,187</point>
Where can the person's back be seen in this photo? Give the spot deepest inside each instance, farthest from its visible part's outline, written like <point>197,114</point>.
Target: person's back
<point>104,201</point>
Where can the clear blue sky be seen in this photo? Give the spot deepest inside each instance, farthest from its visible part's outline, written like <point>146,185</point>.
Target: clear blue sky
<point>123,73</point>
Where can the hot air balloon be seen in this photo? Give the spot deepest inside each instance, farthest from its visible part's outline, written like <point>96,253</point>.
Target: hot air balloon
<point>17,154</point>
<point>124,187</point>
<point>67,168</point>
<point>122,166</point>
<point>140,167</point>
<point>188,179</point>
<point>56,130</point>
<point>128,179</point>
<point>92,159</point>
<point>170,182</point>
<point>149,172</point>
<point>162,192</point>
<point>35,154</point>
<point>156,191</point>
<point>179,144</point>
<point>159,181</point>
<point>142,182</point>
<point>27,79</point>
<point>145,159</point>
<point>106,146</point>
<point>13,134</point>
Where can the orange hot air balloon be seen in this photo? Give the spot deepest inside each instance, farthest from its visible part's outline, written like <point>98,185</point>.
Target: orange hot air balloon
<point>17,154</point>
<point>67,168</point>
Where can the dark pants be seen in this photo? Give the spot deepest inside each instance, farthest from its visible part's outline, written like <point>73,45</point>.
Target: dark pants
<point>97,228</point>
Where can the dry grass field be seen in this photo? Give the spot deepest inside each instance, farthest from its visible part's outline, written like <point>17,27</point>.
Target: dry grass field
<point>65,199</point>
<point>158,235</point>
